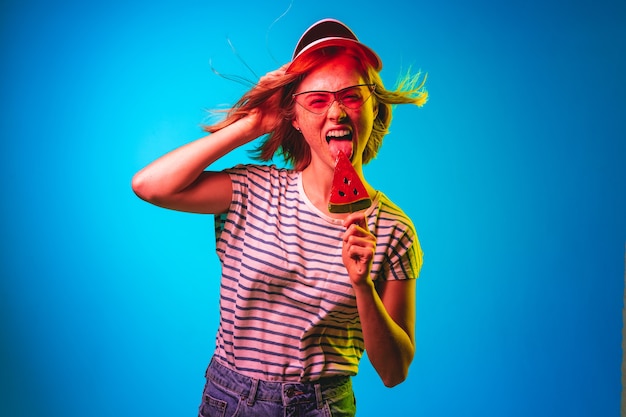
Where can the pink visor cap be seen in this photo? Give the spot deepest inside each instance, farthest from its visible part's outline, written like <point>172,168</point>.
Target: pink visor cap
<point>331,32</point>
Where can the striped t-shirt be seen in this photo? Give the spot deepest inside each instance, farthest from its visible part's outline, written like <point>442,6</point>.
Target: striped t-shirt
<point>287,308</point>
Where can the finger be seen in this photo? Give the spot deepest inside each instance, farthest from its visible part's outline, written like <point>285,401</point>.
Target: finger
<point>356,233</point>
<point>353,232</point>
<point>363,242</point>
<point>357,219</point>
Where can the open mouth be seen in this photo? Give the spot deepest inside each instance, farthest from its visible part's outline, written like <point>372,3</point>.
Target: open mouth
<point>341,134</point>
<point>340,140</point>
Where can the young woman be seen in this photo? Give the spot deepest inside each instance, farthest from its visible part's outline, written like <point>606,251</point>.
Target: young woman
<point>304,291</point>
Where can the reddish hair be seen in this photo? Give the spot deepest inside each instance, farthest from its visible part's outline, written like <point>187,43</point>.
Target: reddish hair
<point>285,139</point>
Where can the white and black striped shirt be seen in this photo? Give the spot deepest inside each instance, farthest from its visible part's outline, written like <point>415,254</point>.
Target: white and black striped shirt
<point>287,308</point>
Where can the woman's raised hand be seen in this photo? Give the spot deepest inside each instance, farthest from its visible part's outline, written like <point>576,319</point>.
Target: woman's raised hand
<point>267,116</point>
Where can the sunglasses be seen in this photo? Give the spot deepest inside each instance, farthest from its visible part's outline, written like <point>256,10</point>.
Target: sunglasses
<point>319,101</point>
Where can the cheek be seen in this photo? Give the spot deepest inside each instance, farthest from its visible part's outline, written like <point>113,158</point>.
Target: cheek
<point>307,123</point>
<point>366,121</point>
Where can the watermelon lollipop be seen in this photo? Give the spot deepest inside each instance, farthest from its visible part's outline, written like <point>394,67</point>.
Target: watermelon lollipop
<point>347,193</point>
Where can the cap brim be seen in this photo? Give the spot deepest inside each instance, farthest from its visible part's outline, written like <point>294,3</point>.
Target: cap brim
<point>328,33</point>
<point>372,57</point>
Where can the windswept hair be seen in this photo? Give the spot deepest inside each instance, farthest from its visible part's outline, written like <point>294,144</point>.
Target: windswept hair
<point>285,140</point>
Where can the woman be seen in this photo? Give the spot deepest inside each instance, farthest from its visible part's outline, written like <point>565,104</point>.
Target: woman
<point>303,291</point>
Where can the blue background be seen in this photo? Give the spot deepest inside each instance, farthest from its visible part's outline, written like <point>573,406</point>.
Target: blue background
<point>514,173</point>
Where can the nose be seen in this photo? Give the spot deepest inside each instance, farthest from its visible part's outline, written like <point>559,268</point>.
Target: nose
<point>336,111</point>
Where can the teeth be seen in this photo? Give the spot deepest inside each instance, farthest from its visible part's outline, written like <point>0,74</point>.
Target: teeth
<point>338,133</point>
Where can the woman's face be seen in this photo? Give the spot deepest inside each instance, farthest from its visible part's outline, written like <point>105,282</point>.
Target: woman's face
<point>339,127</point>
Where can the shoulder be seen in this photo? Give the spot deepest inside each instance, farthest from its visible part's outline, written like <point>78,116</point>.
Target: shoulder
<point>389,212</point>
<point>398,239</point>
<point>262,182</point>
<point>259,171</point>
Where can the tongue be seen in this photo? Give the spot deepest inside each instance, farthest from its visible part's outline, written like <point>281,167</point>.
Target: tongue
<point>337,146</point>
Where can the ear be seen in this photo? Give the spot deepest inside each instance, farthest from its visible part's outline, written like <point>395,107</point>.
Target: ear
<point>295,124</point>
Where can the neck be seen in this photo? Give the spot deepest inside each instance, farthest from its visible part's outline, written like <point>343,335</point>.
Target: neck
<point>317,184</point>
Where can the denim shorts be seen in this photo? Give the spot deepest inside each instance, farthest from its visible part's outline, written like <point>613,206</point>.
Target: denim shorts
<point>229,394</point>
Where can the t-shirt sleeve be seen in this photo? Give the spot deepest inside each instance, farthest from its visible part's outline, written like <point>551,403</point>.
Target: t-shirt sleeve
<point>405,257</point>
<point>229,223</point>
<point>399,254</point>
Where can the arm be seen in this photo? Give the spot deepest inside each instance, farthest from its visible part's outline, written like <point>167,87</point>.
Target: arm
<point>387,313</point>
<point>178,180</point>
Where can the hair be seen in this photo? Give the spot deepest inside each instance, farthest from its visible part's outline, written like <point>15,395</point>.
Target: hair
<point>285,140</point>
